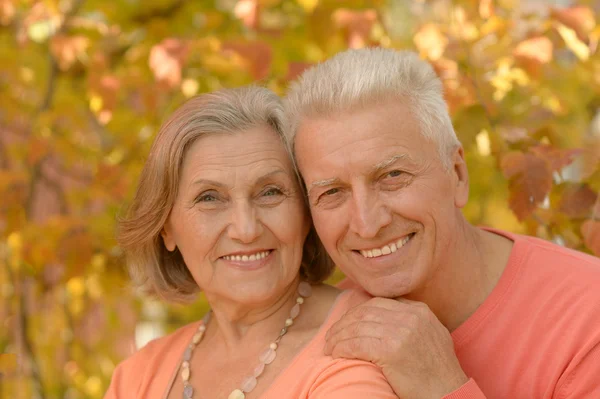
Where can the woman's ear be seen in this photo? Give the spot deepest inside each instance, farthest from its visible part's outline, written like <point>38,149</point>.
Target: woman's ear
<point>168,238</point>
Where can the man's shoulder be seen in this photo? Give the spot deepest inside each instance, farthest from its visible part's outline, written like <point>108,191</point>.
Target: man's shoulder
<point>554,255</point>
<point>535,251</point>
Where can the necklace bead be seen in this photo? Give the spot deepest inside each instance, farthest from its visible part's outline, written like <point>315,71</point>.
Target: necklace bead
<point>267,357</point>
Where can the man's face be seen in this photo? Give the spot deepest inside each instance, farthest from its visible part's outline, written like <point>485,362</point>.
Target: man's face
<point>382,202</point>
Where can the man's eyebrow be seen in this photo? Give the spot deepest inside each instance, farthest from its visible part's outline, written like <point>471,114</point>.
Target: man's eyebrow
<point>385,163</point>
<point>322,183</point>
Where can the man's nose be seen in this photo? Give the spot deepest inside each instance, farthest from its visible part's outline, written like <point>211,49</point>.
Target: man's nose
<point>368,214</point>
<point>245,225</point>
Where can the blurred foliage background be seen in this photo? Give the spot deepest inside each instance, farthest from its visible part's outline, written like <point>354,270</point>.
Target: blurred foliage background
<point>85,84</point>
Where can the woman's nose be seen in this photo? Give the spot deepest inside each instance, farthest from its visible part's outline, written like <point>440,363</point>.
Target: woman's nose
<point>245,226</point>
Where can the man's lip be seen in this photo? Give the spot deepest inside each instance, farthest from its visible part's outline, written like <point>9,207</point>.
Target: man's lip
<point>411,235</point>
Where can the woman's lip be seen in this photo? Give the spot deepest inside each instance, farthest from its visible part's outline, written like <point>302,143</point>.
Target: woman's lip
<point>247,253</point>
<point>249,264</point>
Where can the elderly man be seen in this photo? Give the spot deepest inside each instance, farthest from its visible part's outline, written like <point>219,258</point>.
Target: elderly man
<point>461,312</point>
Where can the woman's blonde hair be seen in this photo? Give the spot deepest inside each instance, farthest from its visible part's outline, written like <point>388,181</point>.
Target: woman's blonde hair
<point>154,269</point>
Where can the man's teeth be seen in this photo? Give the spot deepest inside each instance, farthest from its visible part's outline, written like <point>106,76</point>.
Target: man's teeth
<point>386,249</point>
<point>247,258</point>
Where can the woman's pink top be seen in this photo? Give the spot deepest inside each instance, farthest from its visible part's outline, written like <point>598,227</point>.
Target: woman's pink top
<point>150,372</point>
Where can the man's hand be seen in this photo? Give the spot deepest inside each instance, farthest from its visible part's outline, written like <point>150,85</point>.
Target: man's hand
<point>404,338</point>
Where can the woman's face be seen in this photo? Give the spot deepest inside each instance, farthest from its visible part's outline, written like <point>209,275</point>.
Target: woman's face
<point>239,219</point>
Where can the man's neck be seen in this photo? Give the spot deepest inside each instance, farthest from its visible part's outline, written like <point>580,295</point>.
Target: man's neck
<point>469,272</point>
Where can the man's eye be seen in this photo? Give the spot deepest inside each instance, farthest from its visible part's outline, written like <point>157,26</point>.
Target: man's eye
<point>394,173</point>
<point>331,191</point>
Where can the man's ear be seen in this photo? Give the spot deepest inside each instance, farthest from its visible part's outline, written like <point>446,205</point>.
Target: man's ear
<point>460,176</point>
<point>168,238</point>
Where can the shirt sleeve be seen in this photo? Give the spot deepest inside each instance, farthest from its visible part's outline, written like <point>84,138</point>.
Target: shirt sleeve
<point>584,380</point>
<point>351,379</point>
<point>127,377</point>
<point>124,382</point>
<point>470,390</point>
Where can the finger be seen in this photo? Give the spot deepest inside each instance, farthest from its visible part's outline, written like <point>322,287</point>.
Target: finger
<point>354,330</point>
<point>362,348</point>
<point>365,313</point>
<point>395,304</point>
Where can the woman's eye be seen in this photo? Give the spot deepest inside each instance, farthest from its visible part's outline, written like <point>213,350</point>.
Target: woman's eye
<point>271,192</point>
<point>208,197</point>
<point>394,173</point>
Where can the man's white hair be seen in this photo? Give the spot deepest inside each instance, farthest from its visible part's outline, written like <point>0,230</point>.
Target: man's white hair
<point>356,79</point>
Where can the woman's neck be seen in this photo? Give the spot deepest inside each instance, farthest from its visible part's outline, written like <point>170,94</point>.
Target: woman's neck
<point>233,322</point>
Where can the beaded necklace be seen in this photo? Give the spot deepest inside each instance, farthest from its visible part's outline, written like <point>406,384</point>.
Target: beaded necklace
<point>267,357</point>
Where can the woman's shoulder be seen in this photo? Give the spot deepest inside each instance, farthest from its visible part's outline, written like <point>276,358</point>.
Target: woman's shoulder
<point>159,356</point>
<point>313,374</point>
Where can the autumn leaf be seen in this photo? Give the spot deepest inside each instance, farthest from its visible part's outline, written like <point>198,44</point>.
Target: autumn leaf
<point>258,56</point>
<point>577,201</point>
<point>579,18</point>
<point>357,24</point>
<point>530,181</point>
<point>295,69</point>
<point>68,50</point>
<point>533,53</point>
<point>247,12</point>
<point>558,158</point>
<point>430,41</point>
<point>166,61</point>
<point>590,230</point>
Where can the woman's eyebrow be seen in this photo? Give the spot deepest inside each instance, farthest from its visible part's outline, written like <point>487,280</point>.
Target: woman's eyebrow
<point>271,174</point>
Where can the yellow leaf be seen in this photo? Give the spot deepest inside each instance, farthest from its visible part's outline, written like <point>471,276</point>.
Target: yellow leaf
<point>430,41</point>
<point>308,5</point>
<point>580,49</point>
<point>76,286</point>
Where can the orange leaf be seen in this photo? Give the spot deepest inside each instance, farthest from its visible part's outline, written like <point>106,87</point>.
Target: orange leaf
<point>530,182</point>
<point>358,25</point>
<point>590,230</point>
<point>166,61</point>
<point>537,49</point>
<point>557,157</point>
<point>512,163</point>
<point>577,201</point>
<point>247,12</point>
<point>579,18</point>
<point>68,49</point>
<point>295,69</point>
<point>257,54</point>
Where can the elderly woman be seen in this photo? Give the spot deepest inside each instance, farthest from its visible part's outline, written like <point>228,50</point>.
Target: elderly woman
<point>219,208</point>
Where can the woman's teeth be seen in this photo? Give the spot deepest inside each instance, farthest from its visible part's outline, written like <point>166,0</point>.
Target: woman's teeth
<point>247,258</point>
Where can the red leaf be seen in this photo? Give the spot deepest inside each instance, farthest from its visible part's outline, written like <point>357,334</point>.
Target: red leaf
<point>590,230</point>
<point>512,163</point>
<point>295,69</point>
<point>358,25</point>
<point>530,181</point>
<point>557,157</point>
<point>258,55</point>
<point>577,201</point>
